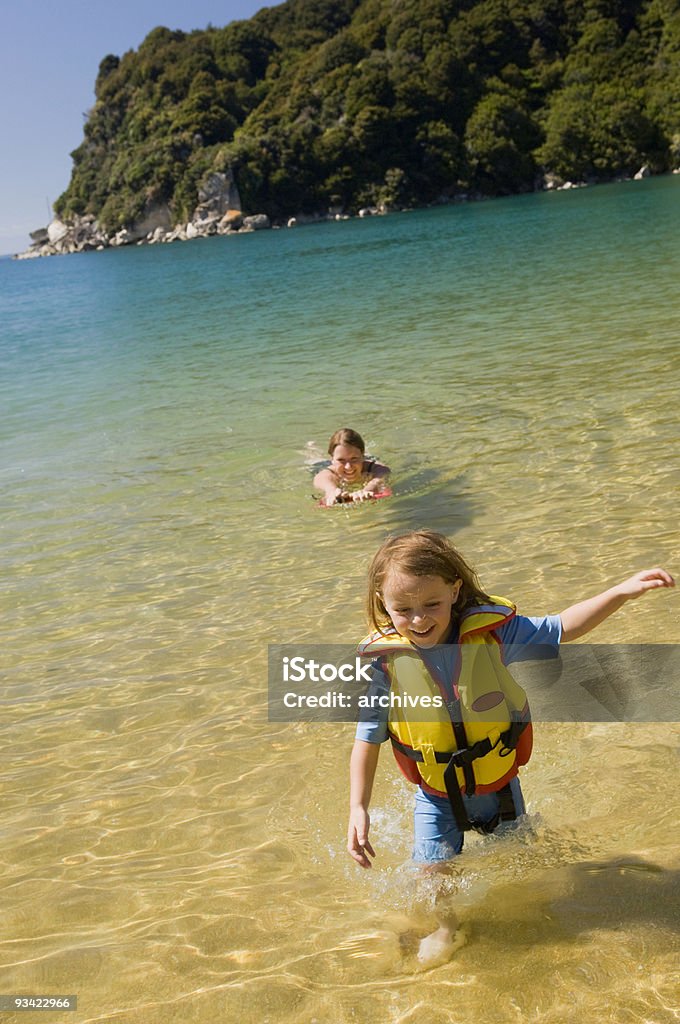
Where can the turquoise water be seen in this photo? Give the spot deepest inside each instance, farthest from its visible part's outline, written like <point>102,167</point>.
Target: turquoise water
<point>167,853</point>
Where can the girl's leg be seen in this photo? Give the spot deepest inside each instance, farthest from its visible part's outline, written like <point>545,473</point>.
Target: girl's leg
<point>438,841</point>
<point>437,838</point>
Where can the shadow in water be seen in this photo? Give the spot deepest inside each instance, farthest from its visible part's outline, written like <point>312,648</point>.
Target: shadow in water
<point>562,904</point>
<point>424,500</point>
<point>601,682</point>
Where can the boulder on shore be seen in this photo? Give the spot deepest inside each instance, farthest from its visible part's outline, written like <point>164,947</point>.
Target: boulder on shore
<point>56,230</point>
<point>232,221</point>
<point>258,222</point>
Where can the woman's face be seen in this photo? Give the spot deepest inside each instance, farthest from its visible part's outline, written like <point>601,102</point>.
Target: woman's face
<point>347,462</point>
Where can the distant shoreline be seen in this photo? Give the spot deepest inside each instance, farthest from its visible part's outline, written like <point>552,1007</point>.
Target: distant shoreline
<point>84,234</point>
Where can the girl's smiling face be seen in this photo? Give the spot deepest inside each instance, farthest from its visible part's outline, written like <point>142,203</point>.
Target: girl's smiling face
<point>420,606</point>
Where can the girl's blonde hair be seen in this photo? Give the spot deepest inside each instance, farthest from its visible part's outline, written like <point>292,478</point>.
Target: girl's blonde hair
<point>346,436</point>
<point>420,553</point>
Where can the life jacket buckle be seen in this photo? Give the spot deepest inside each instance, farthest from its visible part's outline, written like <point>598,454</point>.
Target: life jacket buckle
<point>494,738</point>
<point>428,752</point>
<point>510,738</point>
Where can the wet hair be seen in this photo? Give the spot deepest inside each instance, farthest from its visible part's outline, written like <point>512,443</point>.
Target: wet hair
<point>420,553</point>
<point>346,436</point>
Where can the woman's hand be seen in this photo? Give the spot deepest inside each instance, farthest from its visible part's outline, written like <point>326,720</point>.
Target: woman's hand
<point>332,496</point>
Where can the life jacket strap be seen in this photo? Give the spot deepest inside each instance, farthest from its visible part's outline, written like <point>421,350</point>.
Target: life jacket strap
<point>506,806</point>
<point>463,758</point>
<point>440,756</point>
<point>511,737</point>
<point>456,798</point>
<point>507,810</point>
<point>508,741</point>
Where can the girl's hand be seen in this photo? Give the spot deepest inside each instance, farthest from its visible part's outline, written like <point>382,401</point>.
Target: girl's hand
<point>357,837</point>
<point>580,618</point>
<point>641,582</point>
<point>362,495</point>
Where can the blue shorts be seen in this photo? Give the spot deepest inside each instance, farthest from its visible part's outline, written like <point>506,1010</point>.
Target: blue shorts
<point>437,837</point>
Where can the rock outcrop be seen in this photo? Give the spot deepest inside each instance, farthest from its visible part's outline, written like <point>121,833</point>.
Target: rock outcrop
<point>60,237</point>
<point>218,213</point>
<point>217,195</point>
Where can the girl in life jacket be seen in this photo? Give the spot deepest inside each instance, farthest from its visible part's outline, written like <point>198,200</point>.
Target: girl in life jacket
<point>458,723</point>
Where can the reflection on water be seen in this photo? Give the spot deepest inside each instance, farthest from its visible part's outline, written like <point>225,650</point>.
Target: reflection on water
<point>168,854</point>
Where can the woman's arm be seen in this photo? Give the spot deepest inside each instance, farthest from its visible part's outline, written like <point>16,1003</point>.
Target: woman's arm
<point>362,767</point>
<point>326,481</point>
<point>579,619</point>
<point>376,475</point>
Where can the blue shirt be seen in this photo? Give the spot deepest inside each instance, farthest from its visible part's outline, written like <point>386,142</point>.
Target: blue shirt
<point>523,639</point>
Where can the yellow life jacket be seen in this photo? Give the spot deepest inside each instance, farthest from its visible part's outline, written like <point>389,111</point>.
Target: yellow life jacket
<point>482,714</point>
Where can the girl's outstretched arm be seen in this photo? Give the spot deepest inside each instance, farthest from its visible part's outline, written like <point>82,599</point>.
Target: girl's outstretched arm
<point>580,618</point>
<point>362,766</point>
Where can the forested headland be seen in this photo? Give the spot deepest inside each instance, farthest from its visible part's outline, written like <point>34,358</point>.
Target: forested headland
<point>318,104</point>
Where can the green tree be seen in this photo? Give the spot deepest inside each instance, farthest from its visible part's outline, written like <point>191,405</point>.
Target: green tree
<point>499,139</point>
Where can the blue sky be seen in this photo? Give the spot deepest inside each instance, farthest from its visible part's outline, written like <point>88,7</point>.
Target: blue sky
<point>49,56</point>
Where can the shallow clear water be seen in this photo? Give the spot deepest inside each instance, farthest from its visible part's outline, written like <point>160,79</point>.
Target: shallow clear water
<point>167,853</point>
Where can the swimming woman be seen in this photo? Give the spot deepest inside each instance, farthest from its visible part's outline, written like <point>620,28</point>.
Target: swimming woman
<point>350,476</point>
